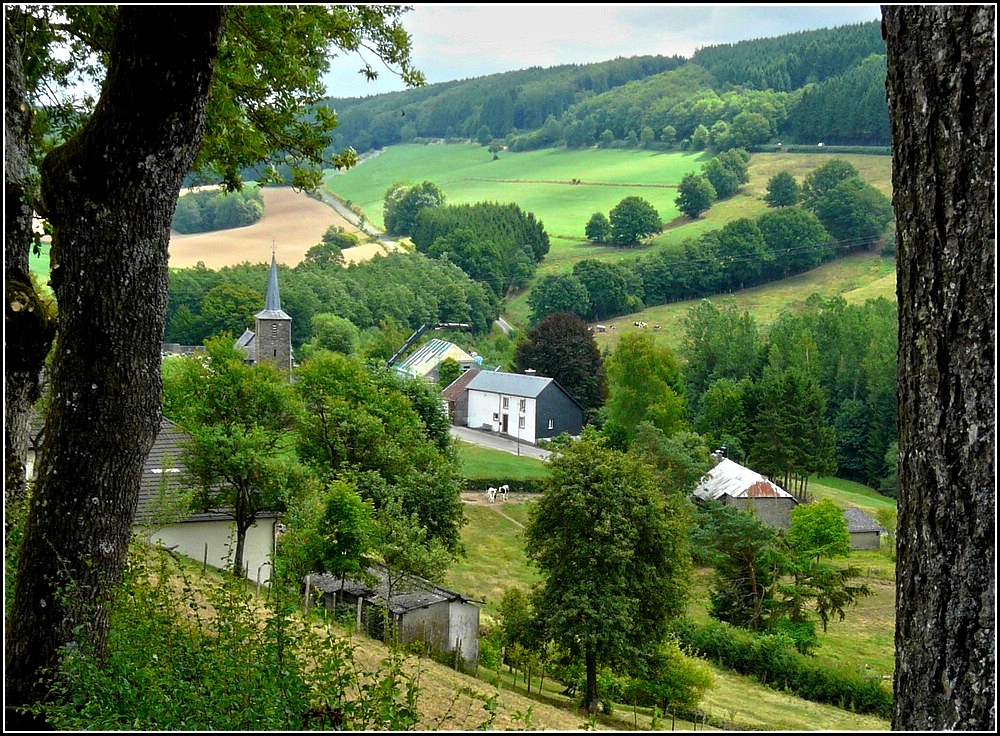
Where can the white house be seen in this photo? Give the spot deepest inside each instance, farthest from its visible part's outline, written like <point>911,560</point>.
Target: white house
<point>163,517</point>
<point>527,407</point>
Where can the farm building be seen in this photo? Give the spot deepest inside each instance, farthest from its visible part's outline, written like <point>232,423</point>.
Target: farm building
<point>735,485</point>
<point>442,619</point>
<point>865,532</point>
<point>426,360</point>
<point>455,398</point>
<point>519,405</point>
<point>163,517</point>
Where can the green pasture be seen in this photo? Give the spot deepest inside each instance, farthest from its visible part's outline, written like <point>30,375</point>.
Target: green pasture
<point>857,278</point>
<point>862,642</point>
<point>483,462</point>
<point>540,182</point>
<point>39,264</point>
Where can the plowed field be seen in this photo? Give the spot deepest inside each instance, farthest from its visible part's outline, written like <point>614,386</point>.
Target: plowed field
<point>292,223</point>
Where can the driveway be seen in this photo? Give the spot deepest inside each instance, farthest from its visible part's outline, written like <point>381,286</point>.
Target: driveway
<point>498,442</point>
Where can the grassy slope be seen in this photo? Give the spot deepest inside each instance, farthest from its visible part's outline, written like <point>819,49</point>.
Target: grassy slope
<point>541,183</point>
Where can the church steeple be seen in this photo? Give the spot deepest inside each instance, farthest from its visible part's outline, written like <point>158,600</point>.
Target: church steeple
<point>272,300</point>
<point>273,339</point>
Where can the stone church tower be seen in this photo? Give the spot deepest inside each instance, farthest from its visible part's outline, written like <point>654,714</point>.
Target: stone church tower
<point>273,333</point>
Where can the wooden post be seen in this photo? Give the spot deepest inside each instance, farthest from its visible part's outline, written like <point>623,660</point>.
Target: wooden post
<point>308,589</point>
<point>204,562</point>
<point>357,617</point>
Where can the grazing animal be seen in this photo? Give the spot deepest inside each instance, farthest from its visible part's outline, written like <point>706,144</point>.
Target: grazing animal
<point>502,490</point>
<point>491,494</point>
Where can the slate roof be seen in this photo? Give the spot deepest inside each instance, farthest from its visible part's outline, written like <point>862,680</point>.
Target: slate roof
<point>859,521</point>
<point>409,594</point>
<point>514,384</point>
<point>729,478</point>
<point>454,390</point>
<point>272,299</point>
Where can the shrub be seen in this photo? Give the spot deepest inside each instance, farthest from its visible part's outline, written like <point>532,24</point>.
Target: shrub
<point>243,667</point>
<point>773,661</point>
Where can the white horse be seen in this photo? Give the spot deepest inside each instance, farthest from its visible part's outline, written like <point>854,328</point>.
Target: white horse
<point>502,490</point>
<point>491,494</point>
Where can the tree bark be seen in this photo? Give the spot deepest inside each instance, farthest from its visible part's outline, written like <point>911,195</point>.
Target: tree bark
<point>28,330</point>
<point>109,193</point>
<point>592,699</point>
<point>941,89</point>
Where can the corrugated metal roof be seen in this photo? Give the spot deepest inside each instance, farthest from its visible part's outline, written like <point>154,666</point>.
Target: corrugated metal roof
<point>512,384</point>
<point>729,478</point>
<point>427,357</point>
<point>408,594</point>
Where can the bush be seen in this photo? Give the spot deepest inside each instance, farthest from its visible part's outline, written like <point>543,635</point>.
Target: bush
<point>773,661</point>
<point>243,668</point>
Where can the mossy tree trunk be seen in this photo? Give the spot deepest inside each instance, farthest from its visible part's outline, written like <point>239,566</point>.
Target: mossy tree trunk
<point>109,193</point>
<point>941,89</point>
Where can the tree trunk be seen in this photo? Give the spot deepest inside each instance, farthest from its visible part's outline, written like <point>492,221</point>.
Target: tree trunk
<point>110,194</point>
<point>591,701</point>
<point>28,330</point>
<point>941,90</point>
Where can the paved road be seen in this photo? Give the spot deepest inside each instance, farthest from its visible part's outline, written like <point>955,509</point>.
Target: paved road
<point>498,442</point>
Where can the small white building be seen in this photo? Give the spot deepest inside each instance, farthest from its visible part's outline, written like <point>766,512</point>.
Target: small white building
<point>163,517</point>
<point>528,407</point>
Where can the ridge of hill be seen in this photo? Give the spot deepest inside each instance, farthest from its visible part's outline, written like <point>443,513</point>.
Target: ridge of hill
<point>798,81</point>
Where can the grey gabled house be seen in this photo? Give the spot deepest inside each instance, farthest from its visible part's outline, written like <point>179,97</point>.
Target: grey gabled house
<point>528,407</point>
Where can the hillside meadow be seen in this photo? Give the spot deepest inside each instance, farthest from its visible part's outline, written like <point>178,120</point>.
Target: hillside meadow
<point>863,642</point>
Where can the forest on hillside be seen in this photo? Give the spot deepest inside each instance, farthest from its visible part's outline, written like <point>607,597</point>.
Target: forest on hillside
<point>822,86</point>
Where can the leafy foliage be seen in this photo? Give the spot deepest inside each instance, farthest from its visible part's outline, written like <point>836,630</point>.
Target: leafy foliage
<point>633,219</point>
<point>366,428</point>
<point>404,202</point>
<point>562,347</point>
<point>782,190</point>
<point>199,212</point>
<point>244,667</point>
<point>695,194</point>
<point>613,553</point>
<point>645,384</point>
<point>237,418</point>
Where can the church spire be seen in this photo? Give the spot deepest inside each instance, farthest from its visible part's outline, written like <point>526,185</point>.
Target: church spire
<point>272,300</point>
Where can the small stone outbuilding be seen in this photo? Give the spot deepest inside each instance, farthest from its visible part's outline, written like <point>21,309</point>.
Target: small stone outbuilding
<point>865,532</point>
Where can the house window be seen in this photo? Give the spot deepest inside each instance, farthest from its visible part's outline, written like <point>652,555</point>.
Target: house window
<point>506,402</point>
<point>520,422</point>
<point>520,406</point>
<point>496,417</point>
<point>552,424</point>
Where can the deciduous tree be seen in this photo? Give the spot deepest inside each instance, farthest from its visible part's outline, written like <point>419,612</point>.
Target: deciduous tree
<point>633,219</point>
<point>109,188</point>
<point>941,85</point>
<point>562,347</point>
<point>782,190</point>
<point>644,381</point>
<point>612,552</point>
<point>695,194</point>
<point>237,418</point>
